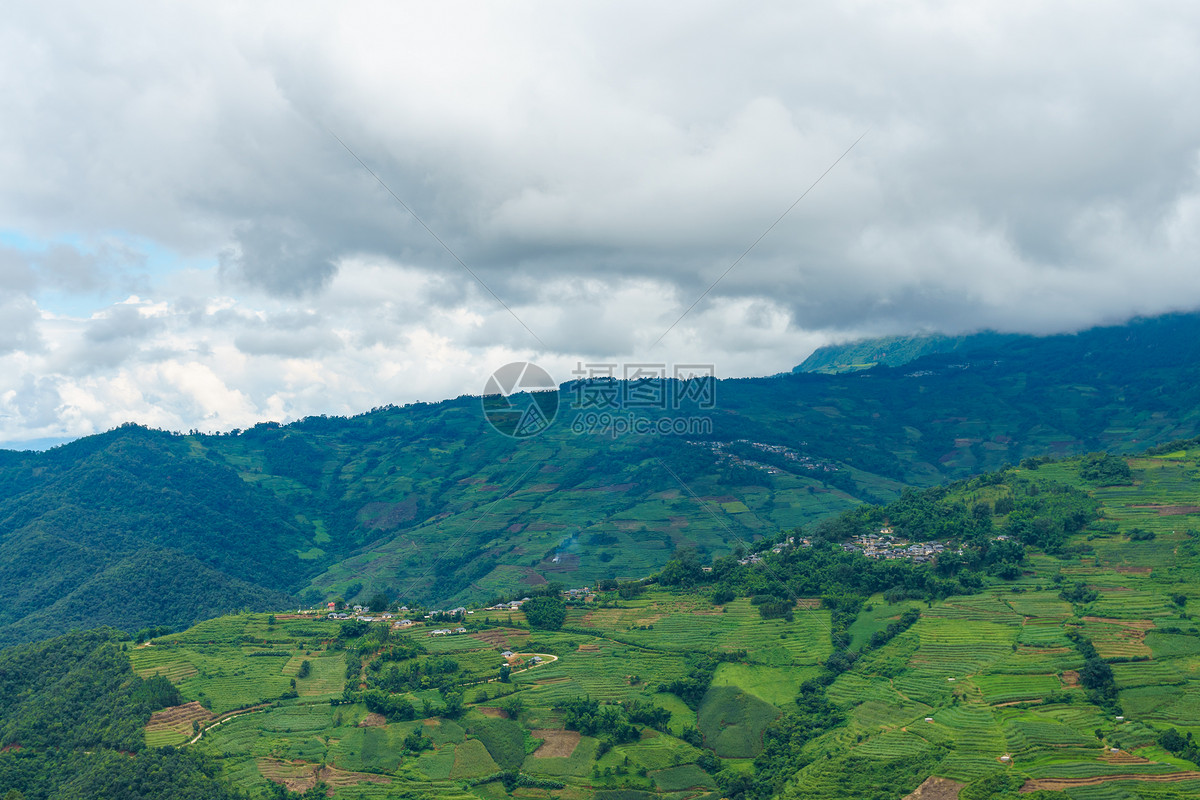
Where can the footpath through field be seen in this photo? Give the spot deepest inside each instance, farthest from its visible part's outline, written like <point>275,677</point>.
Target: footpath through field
<point>231,715</point>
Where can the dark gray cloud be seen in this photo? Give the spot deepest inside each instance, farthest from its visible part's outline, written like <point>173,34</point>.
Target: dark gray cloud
<point>18,325</point>
<point>279,257</point>
<point>290,334</point>
<point>68,268</point>
<point>15,272</point>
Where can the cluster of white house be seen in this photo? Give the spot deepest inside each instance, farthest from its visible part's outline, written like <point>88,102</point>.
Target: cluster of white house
<point>511,605</point>
<point>886,545</point>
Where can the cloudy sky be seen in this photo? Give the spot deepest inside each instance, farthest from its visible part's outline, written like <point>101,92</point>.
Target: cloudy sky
<point>185,243</point>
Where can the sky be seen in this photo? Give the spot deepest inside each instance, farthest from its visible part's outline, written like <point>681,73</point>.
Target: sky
<point>202,205</point>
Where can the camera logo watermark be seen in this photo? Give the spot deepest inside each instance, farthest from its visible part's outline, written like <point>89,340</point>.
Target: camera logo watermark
<point>522,400</point>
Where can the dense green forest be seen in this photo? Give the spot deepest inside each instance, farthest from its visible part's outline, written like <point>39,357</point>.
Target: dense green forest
<point>136,527</point>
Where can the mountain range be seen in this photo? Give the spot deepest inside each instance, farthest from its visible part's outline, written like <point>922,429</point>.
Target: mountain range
<point>428,504</point>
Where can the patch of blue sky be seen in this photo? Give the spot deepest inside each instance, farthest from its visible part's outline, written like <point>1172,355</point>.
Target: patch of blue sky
<point>149,262</point>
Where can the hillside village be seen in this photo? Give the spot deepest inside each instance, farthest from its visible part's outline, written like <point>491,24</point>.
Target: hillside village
<point>721,451</point>
<point>886,544</point>
<point>400,618</point>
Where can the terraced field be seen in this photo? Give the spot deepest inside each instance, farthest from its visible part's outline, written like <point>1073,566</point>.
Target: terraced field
<point>986,689</point>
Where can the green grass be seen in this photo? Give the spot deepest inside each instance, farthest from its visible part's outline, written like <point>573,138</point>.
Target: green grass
<point>733,721</point>
<point>688,776</point>
<point>776,685</point>
<point>503,738</point>
<point>578,764</point>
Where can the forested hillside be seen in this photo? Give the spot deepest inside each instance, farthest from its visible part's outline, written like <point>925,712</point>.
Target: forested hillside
<point>137,527</point>
<point>72,713</point>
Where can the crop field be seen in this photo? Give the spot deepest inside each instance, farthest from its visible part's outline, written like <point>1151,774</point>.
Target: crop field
<point>667,622</point>
<point>174,726</point>
<point>875,617</point>
<point>776,685</point>
<point>981,684</point>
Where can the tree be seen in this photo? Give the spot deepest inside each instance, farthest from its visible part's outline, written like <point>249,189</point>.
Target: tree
<point>454,705</point>
<point>1105,469</point>
<point>545,612</point>
<point>378,602</point>
<point>513,706</point>
<point>416,741</point>
<point>683,570</point>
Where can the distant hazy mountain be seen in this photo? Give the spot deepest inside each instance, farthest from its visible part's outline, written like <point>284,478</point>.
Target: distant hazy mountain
<point>428,503</point>
<point>895,351</point>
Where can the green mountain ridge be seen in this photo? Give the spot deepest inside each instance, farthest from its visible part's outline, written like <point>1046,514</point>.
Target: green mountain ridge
<point>895,351</point>
<point>426,503</point>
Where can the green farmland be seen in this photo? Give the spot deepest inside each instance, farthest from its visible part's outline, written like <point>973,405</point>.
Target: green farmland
<point>988,689</point>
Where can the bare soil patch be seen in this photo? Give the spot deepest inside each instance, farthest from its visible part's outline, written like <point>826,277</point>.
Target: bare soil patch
<point>494,637</point>
<point>614,487</point>
<point>498,713</point>
<point>532,578</point>
<point>1070,677</point>
<point>1122,757</point>
<point>1170,511</point>
<point>300,776</point>
<point>555,743</point>
<point>373,720</point>
<point>1138,624</point>
<point>385,516</point>
<point>1062,784</point>
<point>1134,570</point>
<point>179,719</point>
<point>175,714</point>
<point>936,789</point>
<point>589,648</point>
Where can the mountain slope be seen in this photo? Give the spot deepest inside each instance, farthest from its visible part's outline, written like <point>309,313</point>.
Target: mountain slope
<point>894,351</point>
<point>427,502</point>
<point>1048,647</point>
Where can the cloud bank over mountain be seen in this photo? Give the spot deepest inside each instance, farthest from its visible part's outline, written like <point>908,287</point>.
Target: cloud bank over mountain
<point>184,242</point>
